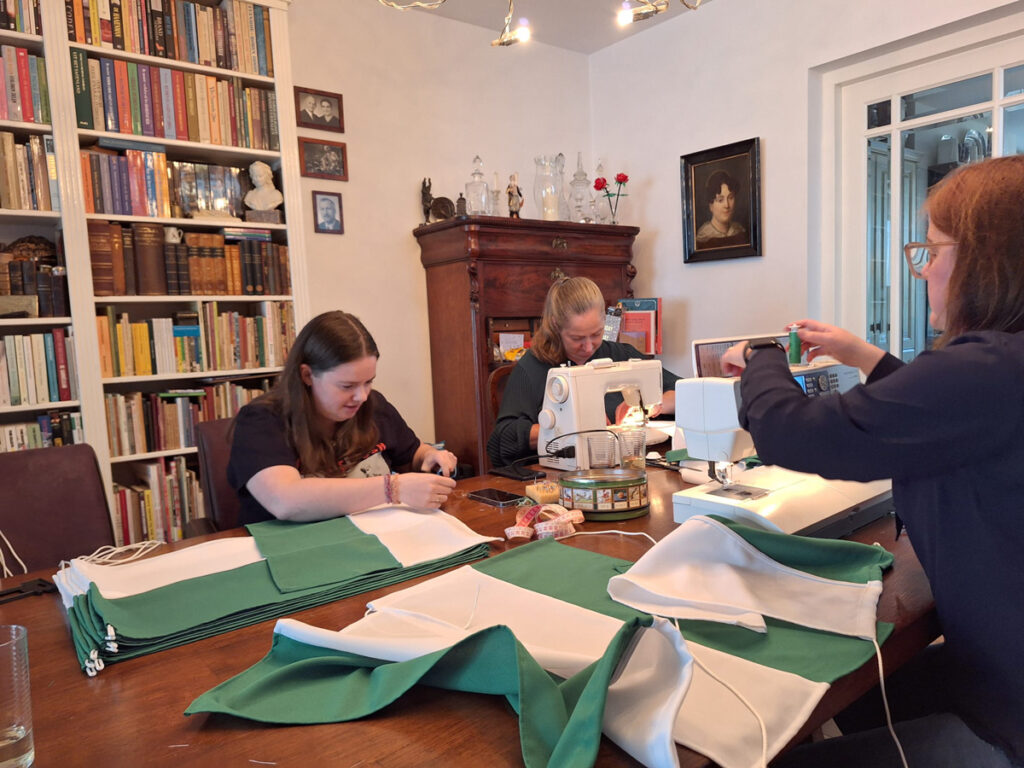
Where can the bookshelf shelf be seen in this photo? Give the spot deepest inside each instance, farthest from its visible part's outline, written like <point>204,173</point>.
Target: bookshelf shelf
<point>39,407</point>
<point>153,455</point>
<point>21,127</point>
<point>33,42</point>
<point>229,373</point>
<point>33,322</point>
<point>177,149</point>
<point>191,223</point>
<point>192,299</point>
<point>9,216</point>
<point>158,61</point>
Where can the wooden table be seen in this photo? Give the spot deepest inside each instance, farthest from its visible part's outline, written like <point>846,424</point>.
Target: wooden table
<point>131,714</point>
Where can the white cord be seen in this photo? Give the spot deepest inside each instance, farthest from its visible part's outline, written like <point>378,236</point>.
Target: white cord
<point>7,572</point>
<point>623,533</point>
<point>885,703</point>
<point>738,695</point>
<point>116,555</point>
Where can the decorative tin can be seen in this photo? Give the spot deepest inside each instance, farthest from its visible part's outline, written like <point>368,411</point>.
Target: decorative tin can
<point>605,494</point>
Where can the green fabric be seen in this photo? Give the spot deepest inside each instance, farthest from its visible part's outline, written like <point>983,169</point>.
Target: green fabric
<point>296,683</point>
<point>304,555</point>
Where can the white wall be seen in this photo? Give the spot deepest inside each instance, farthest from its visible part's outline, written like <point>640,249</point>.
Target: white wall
<point>422,96</point>
<point>684,94</point>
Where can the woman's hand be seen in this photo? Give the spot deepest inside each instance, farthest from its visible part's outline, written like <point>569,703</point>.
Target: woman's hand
<point>818,339</point>
<point>423,490</point>
<point>732,361</point>
<point>432,459</point>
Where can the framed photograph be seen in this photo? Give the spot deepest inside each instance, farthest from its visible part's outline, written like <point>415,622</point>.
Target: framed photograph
<point>722,202</point>
<point>323,159</point>
<point>327,216</point>
<point>319,109</point>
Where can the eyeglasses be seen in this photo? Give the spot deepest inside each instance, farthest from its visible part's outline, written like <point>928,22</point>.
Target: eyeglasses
<point>920,255</point>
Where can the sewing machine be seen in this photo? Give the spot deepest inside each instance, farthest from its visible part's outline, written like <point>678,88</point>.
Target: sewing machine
<point>574,402</point>
<point>765,496</point>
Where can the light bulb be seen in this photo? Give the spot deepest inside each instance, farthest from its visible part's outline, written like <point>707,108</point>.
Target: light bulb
<point>523,31</point>
<point>625,16</point>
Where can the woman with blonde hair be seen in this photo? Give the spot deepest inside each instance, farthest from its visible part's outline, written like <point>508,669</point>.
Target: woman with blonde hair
<point>948,428</point>
<point>571,332</point>
<point>323,443</point>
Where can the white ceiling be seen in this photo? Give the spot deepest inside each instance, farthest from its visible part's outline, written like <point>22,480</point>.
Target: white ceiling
<point>577,25</point>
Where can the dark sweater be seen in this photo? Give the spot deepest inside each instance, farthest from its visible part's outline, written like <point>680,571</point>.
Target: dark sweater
<point>524,396</point>
<point>949,430</point>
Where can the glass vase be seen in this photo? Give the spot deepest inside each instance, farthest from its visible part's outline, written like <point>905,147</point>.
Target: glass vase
<point>546,190</point>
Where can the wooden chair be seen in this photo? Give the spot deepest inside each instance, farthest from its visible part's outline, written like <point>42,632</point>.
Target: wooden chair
<point>496,387</point>
<point>53,506</point>
<point>222,504</point>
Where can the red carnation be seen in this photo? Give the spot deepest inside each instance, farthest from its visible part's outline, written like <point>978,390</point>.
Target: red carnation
<point>600,183</point>
<point>621,178</point>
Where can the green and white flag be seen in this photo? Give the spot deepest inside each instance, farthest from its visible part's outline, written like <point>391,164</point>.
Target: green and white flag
<point>117,612</point>
<point>489,627</point>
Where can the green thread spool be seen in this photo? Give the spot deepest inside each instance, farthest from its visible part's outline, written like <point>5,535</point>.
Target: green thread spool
<point>794,345</point>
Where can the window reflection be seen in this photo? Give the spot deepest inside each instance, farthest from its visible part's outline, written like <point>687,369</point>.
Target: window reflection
<point>1013,130</point>
<point>931,101</point>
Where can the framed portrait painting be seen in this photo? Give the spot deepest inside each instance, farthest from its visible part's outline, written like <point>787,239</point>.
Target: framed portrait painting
<point>323,159</point>
<point>319,109</point>
<point>721,191</point>
<point>327,215</point>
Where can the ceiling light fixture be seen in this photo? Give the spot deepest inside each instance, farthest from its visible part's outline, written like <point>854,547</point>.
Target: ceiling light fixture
<point>644,10</point>
<point>428,4</point>
<point>509,36</point>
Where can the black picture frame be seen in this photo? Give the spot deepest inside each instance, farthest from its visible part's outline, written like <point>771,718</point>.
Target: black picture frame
<point>736,164</point>
<point>321,223</point>
<point>323,159</point>
<point>317,117</point>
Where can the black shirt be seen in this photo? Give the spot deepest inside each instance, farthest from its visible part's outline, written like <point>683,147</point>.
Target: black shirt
<point>260,441</point>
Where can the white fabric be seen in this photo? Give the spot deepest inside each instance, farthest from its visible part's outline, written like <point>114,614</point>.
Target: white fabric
<point>716,723</point>
<point>642,702</point>
<point>703,570</point>
<point>415,536</point>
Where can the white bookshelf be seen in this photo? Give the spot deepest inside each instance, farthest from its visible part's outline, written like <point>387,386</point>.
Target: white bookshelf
<point>72,222</point>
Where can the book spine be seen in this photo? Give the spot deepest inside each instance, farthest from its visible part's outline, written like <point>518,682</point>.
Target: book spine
<point>261,42</point>
<point>156,27</point>
<point>44,114</point>
<point>106,28</point>
<point>123,91</point>
<point>33,78</point>
<point>128,251</point>
<point>133,94</point>
<point>191,106</point>
<point>146,119</point>
<point>50,353</point>
<point>167,102</point>
<point>108,96</point>
<point>24,85</point>
<point>80,85</point>
<point>117,24</point>
<point>51,171</point>
<point>181,130</point>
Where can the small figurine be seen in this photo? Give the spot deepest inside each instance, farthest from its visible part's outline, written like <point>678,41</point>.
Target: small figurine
<point>264,196</point>
<point>426,199</point>
<point>515,196</point>
<point>460,206</point>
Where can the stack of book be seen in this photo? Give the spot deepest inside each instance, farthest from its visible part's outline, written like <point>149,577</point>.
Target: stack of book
<point>22,16</point>
<point>164,499</point>
<point>232,34</point>
<point>28,174</point>
<point>28,277</point>
<point>641,324</point>
<point>51,429</point>
<point>24,77</point>
<point>38,368</point>
<point>136,259</point>
<point>129,97</point>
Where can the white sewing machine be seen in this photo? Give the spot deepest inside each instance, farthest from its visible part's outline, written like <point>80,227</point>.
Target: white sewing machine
<point>574,402</point>
<point>765,496</point>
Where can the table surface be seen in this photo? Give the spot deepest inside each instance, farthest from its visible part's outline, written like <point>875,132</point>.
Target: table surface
<point>131,714</point>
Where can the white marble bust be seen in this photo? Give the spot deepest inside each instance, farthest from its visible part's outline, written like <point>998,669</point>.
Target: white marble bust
<point>264,196</point>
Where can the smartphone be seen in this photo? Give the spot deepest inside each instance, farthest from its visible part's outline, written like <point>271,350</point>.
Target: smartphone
<point>495,497</point>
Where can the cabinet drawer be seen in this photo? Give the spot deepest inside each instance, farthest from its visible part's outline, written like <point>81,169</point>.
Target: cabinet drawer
<point>554,246</point>
<point>518,289</point>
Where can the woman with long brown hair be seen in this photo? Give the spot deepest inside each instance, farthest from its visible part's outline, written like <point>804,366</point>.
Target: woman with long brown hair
<point>948,428</point>
<point>323,443</point>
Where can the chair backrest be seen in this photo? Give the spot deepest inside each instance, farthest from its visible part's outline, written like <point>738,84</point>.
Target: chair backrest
<point>496,381</point>
<point>53,505</point>
<point>214,451</point>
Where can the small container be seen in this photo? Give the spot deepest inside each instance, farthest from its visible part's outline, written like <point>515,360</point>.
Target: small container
<point>605,494</point>
<point>794,345</point>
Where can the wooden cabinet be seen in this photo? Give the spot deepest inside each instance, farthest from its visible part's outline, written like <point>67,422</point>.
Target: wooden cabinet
<point>486,272</point>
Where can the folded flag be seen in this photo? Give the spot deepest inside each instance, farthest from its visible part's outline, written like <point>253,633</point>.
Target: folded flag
<point>117,612</point>
<point>555,601</point>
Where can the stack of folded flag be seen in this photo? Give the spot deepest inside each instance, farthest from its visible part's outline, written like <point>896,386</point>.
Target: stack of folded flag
<point>118,612</point>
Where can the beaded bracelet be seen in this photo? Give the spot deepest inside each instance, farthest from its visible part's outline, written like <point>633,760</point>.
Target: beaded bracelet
<point>391,489</point>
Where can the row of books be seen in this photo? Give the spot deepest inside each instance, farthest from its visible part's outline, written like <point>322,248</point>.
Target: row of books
<point>143,183</point>
<point>136,259</point>
<point>128,97</point>
<point>28,174</point>
<point>139,422</point>
<point>27,277</point>
<point>21,16</point>
<point>47,430</point>
<point>157,504</point>
<point>38,368</point>
<point>27,94</point>
<point>235,35</point>
<point>190,342</point>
